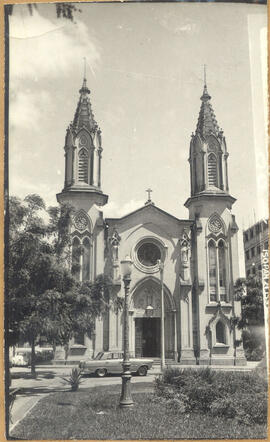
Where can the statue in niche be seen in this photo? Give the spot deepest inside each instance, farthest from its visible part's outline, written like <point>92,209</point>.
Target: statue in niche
<point>185,255</point>
<point>115,241</point>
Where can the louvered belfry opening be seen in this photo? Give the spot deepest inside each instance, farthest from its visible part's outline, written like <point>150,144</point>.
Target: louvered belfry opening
<point>83,166</point>
<point>212,170</point>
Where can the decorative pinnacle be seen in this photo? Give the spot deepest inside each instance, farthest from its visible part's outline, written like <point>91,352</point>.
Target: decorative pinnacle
<point>205,96</point>
<point>84,71</point>
<point>84,89</point>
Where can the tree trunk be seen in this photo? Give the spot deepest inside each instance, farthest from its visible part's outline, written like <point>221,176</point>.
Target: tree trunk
<point>54,349</point>
<point>33,358</point>
<point>66,347</point>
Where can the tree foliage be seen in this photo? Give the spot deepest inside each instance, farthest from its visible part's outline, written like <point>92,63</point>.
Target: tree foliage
<point>43,297</point>
<point>63,10</point>
<point>250,292</point>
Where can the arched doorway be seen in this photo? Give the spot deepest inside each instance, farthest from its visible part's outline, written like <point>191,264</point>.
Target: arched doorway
<point>145,318</point>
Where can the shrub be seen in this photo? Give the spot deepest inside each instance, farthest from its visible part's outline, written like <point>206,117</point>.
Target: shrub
<point>230,394</point>
<point>74,379</point>
<point>201,396</point>
<point>247,408</point>
<point>223,407</point>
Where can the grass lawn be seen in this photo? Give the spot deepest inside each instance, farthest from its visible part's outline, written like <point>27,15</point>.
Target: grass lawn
<point>94,414</point>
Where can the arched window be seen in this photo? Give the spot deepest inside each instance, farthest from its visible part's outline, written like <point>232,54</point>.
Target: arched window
<point>220,333</point>
<point>83,166</point>
<point>76,258</point>
<point>212,170</point>
<point>212,270</point>
<point>86,260</point>
<point>222,271</point>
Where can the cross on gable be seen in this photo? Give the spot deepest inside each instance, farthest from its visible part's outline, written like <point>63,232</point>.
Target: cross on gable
<point>149,193</point>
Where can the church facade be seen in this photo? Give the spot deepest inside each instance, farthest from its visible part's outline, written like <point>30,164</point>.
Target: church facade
<point>200,254</point>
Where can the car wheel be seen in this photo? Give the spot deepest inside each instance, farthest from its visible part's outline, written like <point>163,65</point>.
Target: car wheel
<point>142,371</point>
<point>101,372</point>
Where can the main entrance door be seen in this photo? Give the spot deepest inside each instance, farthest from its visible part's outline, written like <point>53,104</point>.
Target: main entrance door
<point>147,337</point>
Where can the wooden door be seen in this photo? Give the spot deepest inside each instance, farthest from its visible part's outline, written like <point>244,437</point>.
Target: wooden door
<point>138,337</point>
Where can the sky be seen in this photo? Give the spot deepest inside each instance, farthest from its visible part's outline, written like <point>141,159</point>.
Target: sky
<point>144,67</point>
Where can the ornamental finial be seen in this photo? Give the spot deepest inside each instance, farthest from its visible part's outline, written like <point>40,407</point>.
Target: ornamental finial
<point>84,68</point>
<point>205,96</point>
<point>84,89</point>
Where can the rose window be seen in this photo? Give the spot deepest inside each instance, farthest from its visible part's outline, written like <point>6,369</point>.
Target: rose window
<point>148,254</point>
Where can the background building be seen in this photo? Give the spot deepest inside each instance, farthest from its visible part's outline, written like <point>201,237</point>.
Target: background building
<point>255,241</point>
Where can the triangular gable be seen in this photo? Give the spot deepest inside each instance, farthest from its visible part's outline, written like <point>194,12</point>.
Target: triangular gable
<point>147,208</point>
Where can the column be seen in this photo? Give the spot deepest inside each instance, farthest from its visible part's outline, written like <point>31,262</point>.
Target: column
<point>131,334</point>
<point>99,335</point>
<point>175,336</point>
<point>227,274</point>
<point>113,330</point>
<point>73,167</point>
<point>96,161</point>
<point>81,265</point>
<point>217,274</point>
<point>99,167</point>
<point>65,185</point>
<point>187,352</point>
<point>202,297</point>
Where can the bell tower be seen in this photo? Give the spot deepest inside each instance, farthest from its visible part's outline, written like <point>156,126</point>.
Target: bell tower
<point>83,150</point>
<point>82,188</point>
<point>82,191</point>
<point>215,262</point>
<point>208,152</point>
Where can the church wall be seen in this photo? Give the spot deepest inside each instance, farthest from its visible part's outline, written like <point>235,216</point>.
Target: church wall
<point>200,256</point>
<point>208,312</point>
<point>152,225</point>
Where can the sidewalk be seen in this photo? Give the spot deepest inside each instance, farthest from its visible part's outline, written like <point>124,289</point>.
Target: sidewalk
<point>31,391</point>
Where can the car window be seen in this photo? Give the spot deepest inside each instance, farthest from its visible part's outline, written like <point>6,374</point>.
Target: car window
<point>109,356</point>
<point>99,356</point>
<point>117,356</point>
<point>105,356</point>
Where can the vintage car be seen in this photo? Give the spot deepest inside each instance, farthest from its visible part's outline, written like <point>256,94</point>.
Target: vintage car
<point>21,359</point>
<point>111,362</point>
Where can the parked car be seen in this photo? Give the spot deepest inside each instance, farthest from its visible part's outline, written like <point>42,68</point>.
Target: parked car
<point>21,359</point>
<point>110,362</point>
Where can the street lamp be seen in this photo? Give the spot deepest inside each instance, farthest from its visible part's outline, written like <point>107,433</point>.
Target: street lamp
<point>126,399</point>
<point>162,338</point>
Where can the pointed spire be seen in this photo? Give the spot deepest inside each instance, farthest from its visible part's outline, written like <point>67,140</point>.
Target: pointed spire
<point>205,96</point>
<point>207,122</point>
<point>84,89</point>
<point>84,115</point>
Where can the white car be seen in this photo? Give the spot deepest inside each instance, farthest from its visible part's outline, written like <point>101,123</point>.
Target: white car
<point>21,359</point>
<point>111,362</point>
